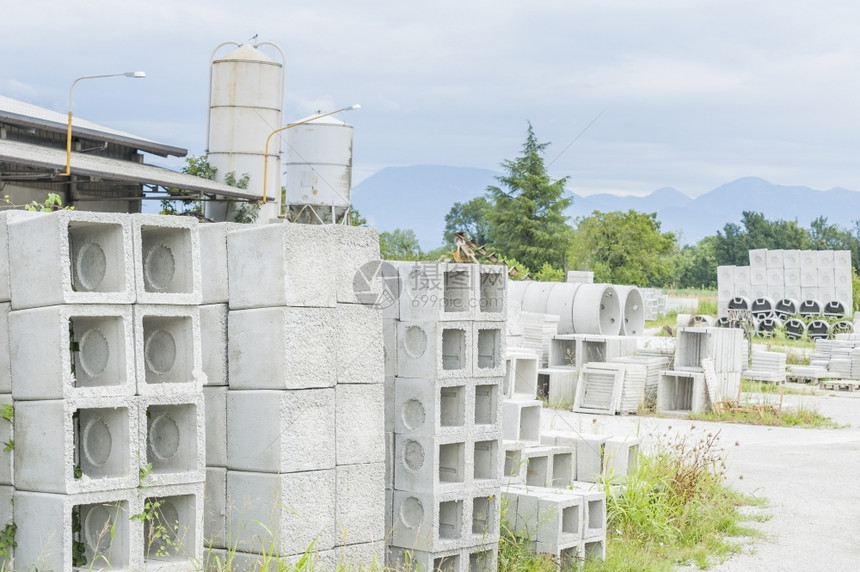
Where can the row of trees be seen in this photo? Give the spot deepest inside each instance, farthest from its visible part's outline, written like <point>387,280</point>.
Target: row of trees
<point>522,218</point>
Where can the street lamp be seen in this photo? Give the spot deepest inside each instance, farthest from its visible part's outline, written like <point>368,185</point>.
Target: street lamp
<point>288,126</point>
<point>68,171</point>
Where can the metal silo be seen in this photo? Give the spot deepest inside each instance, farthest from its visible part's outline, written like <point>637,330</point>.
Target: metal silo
<point>245,102</point>
<point>319,171</point>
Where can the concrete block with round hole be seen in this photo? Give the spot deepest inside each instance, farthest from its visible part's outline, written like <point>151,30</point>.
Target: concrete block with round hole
<point>168,352</point>
<point>7,435</point>
<point>45,540</point>
<point>360,503</point>
<point>71,257</point>
<point>5,351</point>
<point>488,349</point>
<point>286,512</point>
<point>281,265</point>
<point>298,433</point>
<point>282,348</point>
<point>214,278</point>
<point>428,408</point>
<point>437,291</point>
<point>167,259</point>
<point>173,537</point>
<point>72,351</point>
<point>172,439</point>
<point>430,465</point>
<point>360,354</point>
<point>481,558</point>
<point>434,350</point>
<point>359,424</point>
<point>213,343</point>
<point>76,445</point>
<point>435,523</point>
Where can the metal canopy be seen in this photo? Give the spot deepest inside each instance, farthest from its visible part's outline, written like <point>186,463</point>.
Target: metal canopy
<point>114,169</point>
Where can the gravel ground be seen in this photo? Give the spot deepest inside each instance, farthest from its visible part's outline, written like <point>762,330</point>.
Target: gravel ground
<point>808,476</point>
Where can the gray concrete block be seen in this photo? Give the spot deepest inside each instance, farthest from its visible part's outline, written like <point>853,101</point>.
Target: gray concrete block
<point>7,435</point>
<point>427,522</point>
<point>167,259</point>
<point>428,408</point>
<point>215,401</point>
<point>44,534</point>
<point>360,353</point>
<point>214,278</point>
<point>514,465</point>
<point>521,376</point>
<point>364,556</point>
<point>360,503</point>
<point>485,407</point>
<point>389,347</point>
<point>488,350</point>
<point>179,513</point>
<point>6,519</point>
<point>622,456</point>
<point>298,435</point>
<point>437,291</point>
<point>215,508</point>
<point>168,353</point>
<point>594,549</point>
<point>72,351</point>
<point>388,386</point>
<point>561,520</point>
<point>282,348</point>
<point>87,259</point>
<point>287,513</point>
<point>173,429</point>
<point>443,561</point>
<point>492,290</point>
<point>5,351</point>
<point>281,265</point>
<point>548,466</point>
<point>76,445</point>
<point>213,343</point>
<point>521,420</point>
<point>5,291</point>
<point>590,457</point>
<point>359,424</point>
<point>357,264</point>
<point>430,465</point>
<point>434,350</point>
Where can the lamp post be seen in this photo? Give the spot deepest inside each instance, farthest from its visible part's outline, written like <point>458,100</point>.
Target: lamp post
<point>68,171</point>
<point>288,126</point>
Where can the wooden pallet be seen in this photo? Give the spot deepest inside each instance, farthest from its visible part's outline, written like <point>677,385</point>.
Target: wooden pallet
<point>735,407</point>
<point>838,385</point>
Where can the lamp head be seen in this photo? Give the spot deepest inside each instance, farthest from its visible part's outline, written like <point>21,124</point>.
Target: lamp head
<point>137,74</point>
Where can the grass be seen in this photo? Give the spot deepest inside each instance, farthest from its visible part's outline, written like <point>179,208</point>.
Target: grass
<point>801,416</point>
<point>750,386</point>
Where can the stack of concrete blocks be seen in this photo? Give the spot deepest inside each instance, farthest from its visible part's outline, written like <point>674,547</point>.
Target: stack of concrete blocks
<point>767,366</point>
<point>654,302</point>
<point>446,349</point>
<point>106,386</point>
<point>822,276</point>
<point>653,364</point>
<point>538,330</point>
<point>683,389</point>
<point>304,468</point>
<point>580,276</point>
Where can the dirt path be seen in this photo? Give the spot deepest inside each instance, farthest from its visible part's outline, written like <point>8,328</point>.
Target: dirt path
<point>810,477</point>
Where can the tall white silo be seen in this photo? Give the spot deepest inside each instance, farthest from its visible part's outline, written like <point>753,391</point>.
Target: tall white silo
<point>245,102</point>
<point>319,171</point>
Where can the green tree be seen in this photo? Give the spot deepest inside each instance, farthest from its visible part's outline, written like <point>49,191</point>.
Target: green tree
<point>696,265</point>
<point>526,219</point>
<point>399,244</point>
<point>469,218</point>
<point>623,248</point>
<point>734,242</point>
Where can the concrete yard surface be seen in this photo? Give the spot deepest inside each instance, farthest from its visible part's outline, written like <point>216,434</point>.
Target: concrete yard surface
<point>808,476</point>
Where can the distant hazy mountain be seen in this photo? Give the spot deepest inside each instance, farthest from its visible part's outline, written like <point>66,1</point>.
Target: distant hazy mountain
<point>419,197</point>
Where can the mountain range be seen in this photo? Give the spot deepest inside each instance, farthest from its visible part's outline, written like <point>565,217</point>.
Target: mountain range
<point>419,197</point>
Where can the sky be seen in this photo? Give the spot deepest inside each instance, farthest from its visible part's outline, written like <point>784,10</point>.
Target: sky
<point>675,93</point>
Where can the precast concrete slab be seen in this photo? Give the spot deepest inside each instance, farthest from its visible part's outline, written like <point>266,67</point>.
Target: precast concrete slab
<point>282,348</point>
<point>76,445</point>
<point>360,353</point>
<point>215,402</point>
<point>299,434</point>
<point>166,259</point>
<point>286,513</point>
<point>358,424</point>
<point>359,504</point>
<point>172,429</point>
<point>213,343</point>
<point>359,271</point>
<point>285,264</point>
<point>168,350</point>
<point>72,351</point>
<point>214,275</point>
<point>87,259</point>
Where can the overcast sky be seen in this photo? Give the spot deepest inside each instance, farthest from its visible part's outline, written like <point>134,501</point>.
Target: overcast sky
<point>693,94</point>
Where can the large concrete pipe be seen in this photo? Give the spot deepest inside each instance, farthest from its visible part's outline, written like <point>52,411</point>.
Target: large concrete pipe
<point>632,310</point>
<point>560,303</point>
<point>785,308</point>
<point>596,310</point>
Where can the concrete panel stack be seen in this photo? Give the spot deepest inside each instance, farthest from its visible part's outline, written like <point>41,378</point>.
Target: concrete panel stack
<point>305,355</point>
<point>106,381</point>
<point>444,421</point>
<point>767,366</point>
